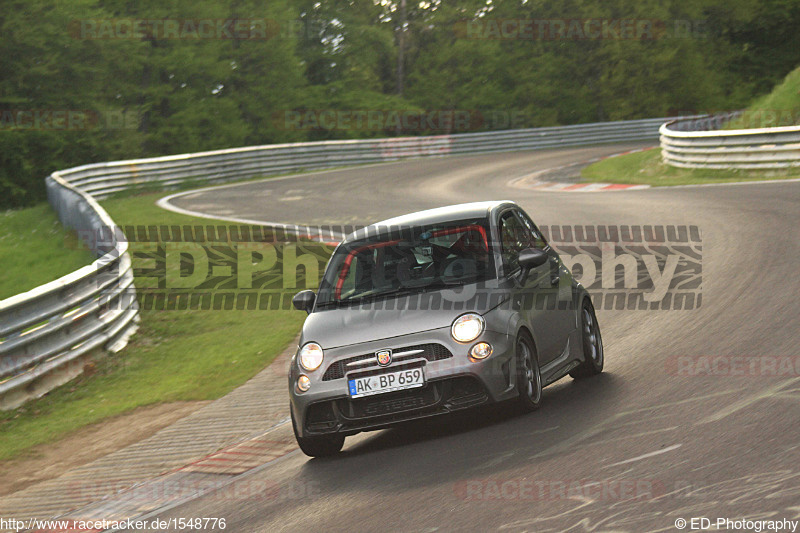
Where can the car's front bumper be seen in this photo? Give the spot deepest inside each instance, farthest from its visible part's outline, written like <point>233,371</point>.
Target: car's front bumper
<point>451,384</point>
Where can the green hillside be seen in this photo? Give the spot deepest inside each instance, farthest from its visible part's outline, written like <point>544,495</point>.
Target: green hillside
<point>781,107</point>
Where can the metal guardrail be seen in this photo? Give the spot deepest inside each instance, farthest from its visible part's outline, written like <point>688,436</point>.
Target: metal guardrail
<point>104,179</point>
<point>701,144</point>
<point>48,334</point>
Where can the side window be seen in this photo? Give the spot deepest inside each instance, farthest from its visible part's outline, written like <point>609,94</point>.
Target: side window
<point>538,239</point>
<point>514,237</point>
<point>349,282</point>
<point>358,278</point>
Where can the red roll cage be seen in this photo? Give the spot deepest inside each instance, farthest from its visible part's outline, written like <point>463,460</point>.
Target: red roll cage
<point>438,233</point>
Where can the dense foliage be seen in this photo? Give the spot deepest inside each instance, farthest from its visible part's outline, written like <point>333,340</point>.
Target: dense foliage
<point>93,80</point>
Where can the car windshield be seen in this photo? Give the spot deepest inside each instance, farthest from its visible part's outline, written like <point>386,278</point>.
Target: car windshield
<point>407,261</point>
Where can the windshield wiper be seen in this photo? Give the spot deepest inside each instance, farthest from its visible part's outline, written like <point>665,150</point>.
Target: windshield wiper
<point>399,291</point>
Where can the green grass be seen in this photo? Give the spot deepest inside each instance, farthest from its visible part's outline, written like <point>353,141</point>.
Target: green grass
<point>647,168</point>
<point>781,107</point>
<point>175,356</point>
<point>36,249</point>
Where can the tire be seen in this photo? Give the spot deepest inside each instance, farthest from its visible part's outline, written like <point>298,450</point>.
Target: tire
<point>592,344</point>
<point>322,446</point>
<point>529,377</point>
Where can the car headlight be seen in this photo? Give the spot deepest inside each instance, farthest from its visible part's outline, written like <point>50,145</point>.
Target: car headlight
<point>303,383</point>
<point>311,356</point>
<point>467,327</point>
<point>482,350</point>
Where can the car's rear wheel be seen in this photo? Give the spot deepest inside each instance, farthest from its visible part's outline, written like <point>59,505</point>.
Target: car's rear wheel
<point>529,377</point>
<point>593,357</point>
<point>321,446</point>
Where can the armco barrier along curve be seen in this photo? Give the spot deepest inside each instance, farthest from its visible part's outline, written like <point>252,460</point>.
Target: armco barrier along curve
<point>48,334</point>
<point>701,144</point>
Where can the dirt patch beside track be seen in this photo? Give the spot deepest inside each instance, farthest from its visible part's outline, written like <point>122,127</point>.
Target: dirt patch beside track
<point>53,459</point>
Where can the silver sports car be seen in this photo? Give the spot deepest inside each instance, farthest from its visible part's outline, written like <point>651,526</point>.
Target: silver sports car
<point>434,312</point>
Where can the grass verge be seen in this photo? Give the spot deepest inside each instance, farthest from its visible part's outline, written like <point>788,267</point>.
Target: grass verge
<point>176,355</point>
<point>647,168</point>
<point>36,249</point>
<point>781,107</point>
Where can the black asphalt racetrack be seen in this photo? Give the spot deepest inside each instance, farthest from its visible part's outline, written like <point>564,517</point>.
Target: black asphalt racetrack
<point>634,449</point>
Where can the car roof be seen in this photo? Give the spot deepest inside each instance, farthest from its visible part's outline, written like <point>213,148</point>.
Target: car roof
<point>437,215</point>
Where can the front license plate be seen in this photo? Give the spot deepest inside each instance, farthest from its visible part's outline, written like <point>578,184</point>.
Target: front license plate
<point>391,381</point>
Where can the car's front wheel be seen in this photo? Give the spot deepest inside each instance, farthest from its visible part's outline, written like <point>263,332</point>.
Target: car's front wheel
<point>321,446</point>
<point>529,377</point>
<point>593,357</point>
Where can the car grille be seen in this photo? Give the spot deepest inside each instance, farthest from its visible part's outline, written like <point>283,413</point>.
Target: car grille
<point>431,352</point>
<point>391,403</point>
<point>436,397</point>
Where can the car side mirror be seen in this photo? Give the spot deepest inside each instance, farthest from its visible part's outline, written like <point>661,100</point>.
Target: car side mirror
<point>532,257</point>
<point>304,300</point>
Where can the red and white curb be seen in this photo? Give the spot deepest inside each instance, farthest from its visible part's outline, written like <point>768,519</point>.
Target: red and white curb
<point>532,182</point>
<point>584,187</point>
<point>214,474</point>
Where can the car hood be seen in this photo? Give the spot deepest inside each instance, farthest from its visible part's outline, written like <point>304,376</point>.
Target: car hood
<point>391,317</point>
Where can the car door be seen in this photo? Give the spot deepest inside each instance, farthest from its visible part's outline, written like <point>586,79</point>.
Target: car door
<point>564,312</point>
<point>539,297</point>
